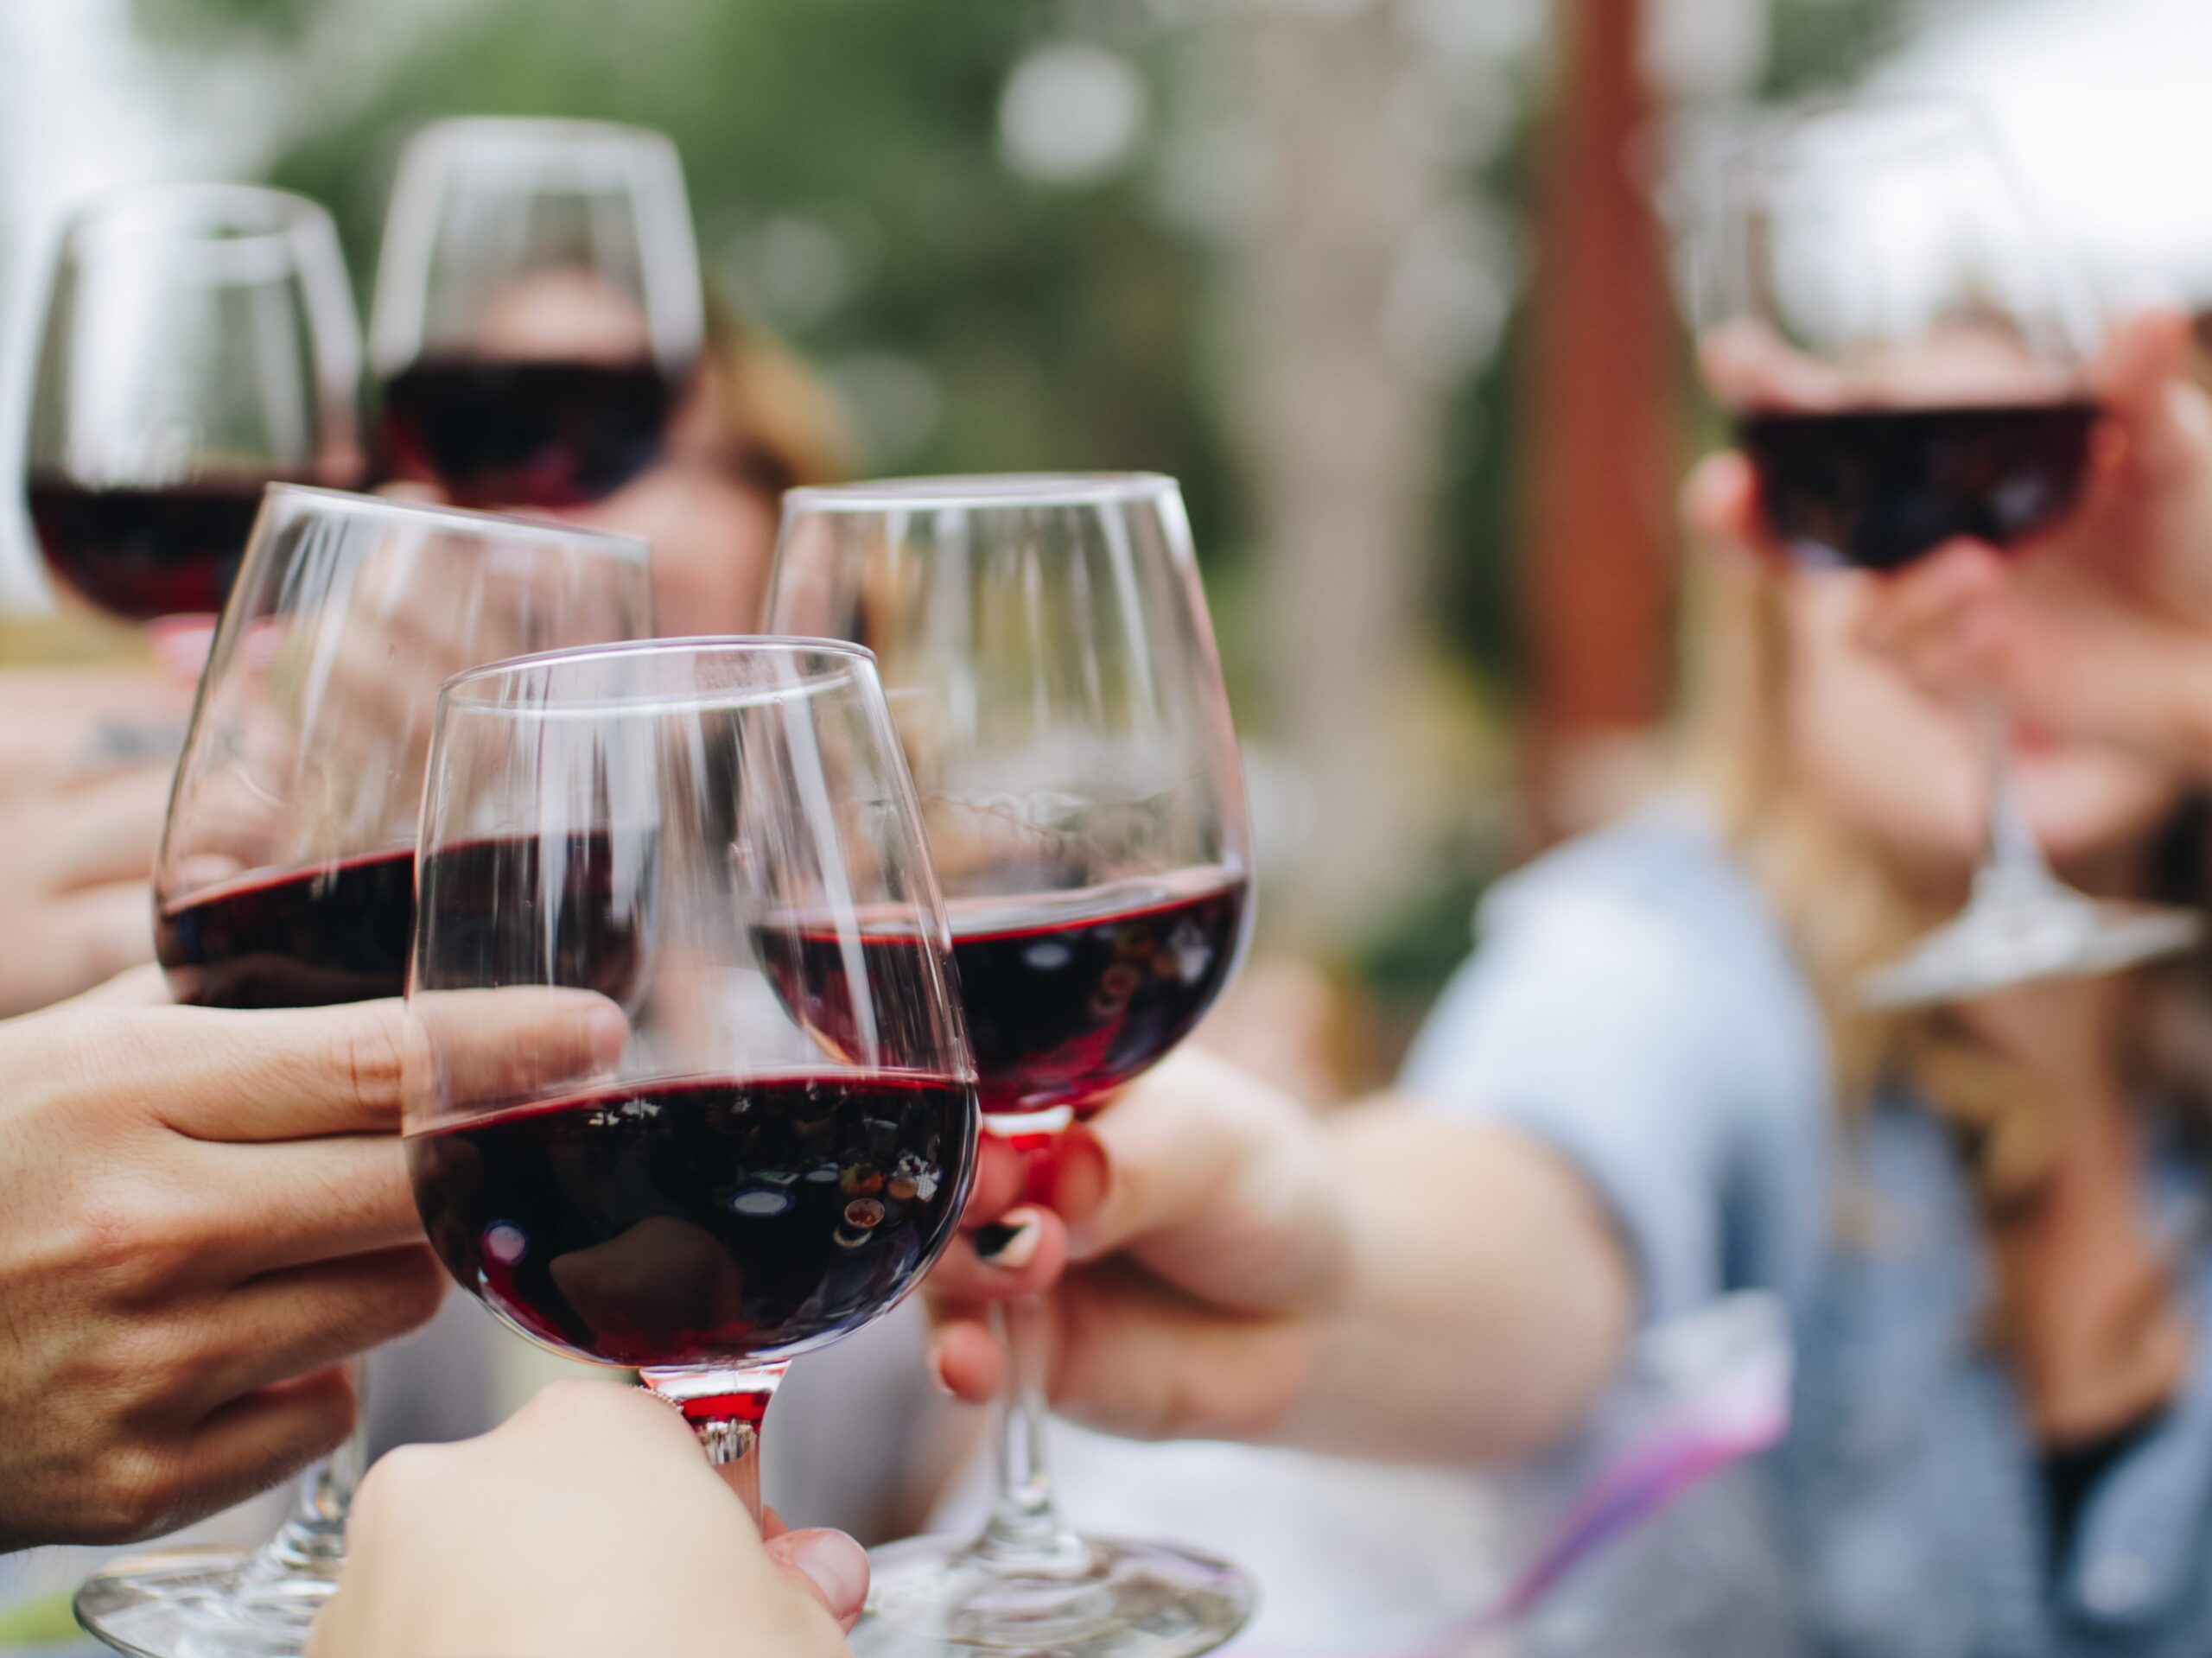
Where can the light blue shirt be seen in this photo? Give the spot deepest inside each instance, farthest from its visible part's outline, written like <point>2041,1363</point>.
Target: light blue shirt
<point>1634,1007</point>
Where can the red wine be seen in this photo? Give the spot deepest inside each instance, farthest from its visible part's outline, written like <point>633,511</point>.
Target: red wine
<point>1880,487</point>
<point>707,1220</point>
<point>524,433</point>
<point>337,932</point>
<point>1067,996</point>
<point>344,931</point>
<point>142,553</point>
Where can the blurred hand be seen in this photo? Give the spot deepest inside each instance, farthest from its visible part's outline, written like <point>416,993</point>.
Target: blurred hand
<point>76,894</point>
<point>1204,1240</point>
<point>201,1214</point>
<point>66,725</point>
<point>85,761</point>
<point>588,1525</point>
<point>2101,629</point>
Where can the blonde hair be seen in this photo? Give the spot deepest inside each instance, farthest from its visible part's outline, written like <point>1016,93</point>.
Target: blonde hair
<point>1834,894</point>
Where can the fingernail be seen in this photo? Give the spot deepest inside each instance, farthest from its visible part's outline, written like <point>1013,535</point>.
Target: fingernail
<point>1010,1242</point>
<point>936,1370</point>
<point>837,1567</point>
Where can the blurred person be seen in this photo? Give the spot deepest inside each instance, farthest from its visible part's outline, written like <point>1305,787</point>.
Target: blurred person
<point>588,1524</point>
<point>202,1213</point>
<point>1654,1084</point>
<point>747,424</point>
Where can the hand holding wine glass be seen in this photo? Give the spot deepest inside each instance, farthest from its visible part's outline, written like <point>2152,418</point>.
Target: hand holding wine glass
<point>1908,366</point>
<point>202,1214</point>
<point>1045,646</point>
<point>586,1524</point>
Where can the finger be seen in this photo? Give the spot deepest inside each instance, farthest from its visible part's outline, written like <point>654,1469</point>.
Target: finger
<point>1720,506</point>
<point>1072,1182</point>
<point>968,1361</point>
<point>1217,1183</point>
<point>1001,1171</point>
<point>829,1566</point>
<point>517,1043</point>
<point>138,987</point>
<point>1021,1254</point>
<point>1938,591</point>
<point>1133,1357</point>
<point>66,945</point>
<point>294,1074</point>
<point>249,1443</point>
<point>295,1323</point>
<point>304,1201</point>
<point>105,830</point>
<point>2142,380</point>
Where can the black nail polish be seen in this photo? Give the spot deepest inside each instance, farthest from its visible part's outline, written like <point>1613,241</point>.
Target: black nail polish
<point>992,1239</point>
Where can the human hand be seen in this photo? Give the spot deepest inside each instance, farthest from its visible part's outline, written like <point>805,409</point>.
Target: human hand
<point>2098,629</point>
<point>1204,1241</point>
<point>61,726</point>
<point>588,1524</point>
<point>76,899</point>
<point>203,1212</point>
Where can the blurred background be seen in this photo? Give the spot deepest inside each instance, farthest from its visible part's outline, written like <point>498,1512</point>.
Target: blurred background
<point>1386,282</point>
<point>1391,285</point>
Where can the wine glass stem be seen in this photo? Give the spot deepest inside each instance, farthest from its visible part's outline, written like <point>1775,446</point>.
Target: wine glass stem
<point>725,1408</point>
<point>1024,1527</point>
<point>312,1539</point>
<point>2012,864</point>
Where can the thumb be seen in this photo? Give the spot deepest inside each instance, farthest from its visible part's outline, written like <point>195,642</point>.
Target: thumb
<point>829,1566</point>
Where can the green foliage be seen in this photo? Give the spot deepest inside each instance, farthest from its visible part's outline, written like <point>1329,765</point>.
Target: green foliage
<point>1061,325</point>
<point>189,19</point>
<point>1823,45</point>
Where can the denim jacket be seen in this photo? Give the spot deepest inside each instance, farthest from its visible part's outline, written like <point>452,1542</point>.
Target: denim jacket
<point>1634,1007</point>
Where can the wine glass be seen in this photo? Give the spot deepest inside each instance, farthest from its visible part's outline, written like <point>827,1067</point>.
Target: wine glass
<point>637,823</point>
<point>538,310</point>
<point>1045,645</point>
<point>286,874</point>
<point>1906,360</point>
<point>198,342</point>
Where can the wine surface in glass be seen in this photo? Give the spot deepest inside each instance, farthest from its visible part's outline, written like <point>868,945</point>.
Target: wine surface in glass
<point>700,1221</point>
<point>514,433</point>
<point>140,553</point>
<point>338,931</point>
<point>343,930</point>
<point>1067,994</point>
<point>1878,488</point>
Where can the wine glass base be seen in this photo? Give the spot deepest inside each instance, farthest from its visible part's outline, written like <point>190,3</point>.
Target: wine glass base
<point>937,1596</point>
<point>1996,943</point>
<point>200,1603</point>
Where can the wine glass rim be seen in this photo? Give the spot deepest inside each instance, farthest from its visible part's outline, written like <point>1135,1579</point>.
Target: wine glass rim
<point>706,644</point>
<point>631,549</point>
<point>953,491</point>
<point>228,213</point>
<point>1776,145</point>
<point>532,131</point>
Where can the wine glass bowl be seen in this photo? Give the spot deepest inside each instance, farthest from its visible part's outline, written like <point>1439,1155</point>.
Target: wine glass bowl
<point>726,1189</point>
<point>198,341</point>
<point>538,310</point>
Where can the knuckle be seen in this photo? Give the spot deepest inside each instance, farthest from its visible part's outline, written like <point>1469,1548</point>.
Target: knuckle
<point>374,1056</point>
<point>132,1493</point>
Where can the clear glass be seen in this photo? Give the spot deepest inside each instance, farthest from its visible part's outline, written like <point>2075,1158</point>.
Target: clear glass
<point>538,310</point>
<point>1906,358</point>
<point>286,872</point>
<point>719,839</point>
<point>198,341</point>
<point>1045,645</point>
